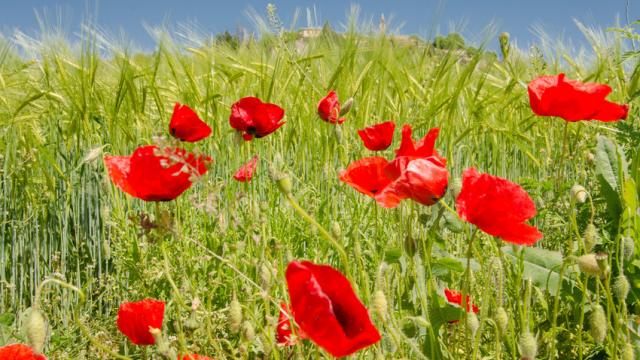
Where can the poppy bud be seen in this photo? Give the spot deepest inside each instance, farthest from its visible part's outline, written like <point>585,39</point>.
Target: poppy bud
<point>346,107</point>
<point>162,346</point>
<point>472,323</point>
<point>192,322</point>
<point>248,333</point>
<point>380,304</point>
<point>590,237</point>
<point>528,346</point>
<point>579,194</point>
<point>598,324</point>
<point>588,265</point>
<point>621,287</point>
<point>591,158</point>
<point>601,259</point>
<point>628,247</point>
<point>284,183</point>
<point>235,316</point>
<point>410,245</point>
<point>502,320</point>
<point>335,230</point>
<point>628,353</point>
<point>339,136</point>
<point>456,186</point>
<point>36,328</point>
<point>265,275</point>
<point>504,45</point>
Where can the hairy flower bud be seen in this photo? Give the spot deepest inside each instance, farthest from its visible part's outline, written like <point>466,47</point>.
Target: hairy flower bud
<point>598,324</point>
<point>579,194</point>
<point>235,316</point>
<point>284,183</point>
<point>35,328</point>
<point>472,323</point>
<point>346,107</point>
<point>265,275</point>
<point>505,47</point>
<point>248,333</point>
<point>528,345</point>
<point>628,352</point>
<point>335,230</point>
<point>456,187</point>
<point>588,265</point>
<point>628,247</point>
<point>380,304</point>
<point>590,237</point>
<point>502,320</point>
<point>621,287</point>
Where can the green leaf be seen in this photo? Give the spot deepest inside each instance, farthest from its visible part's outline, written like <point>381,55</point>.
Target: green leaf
<point>609,163</point>
<point>7,319</point>
<point>543,267</point>
<point>442,266</point>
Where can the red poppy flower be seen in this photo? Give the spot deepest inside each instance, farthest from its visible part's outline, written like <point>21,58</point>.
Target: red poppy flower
<point>498,207</point>
<point>254,118</point>
<point>573,100</point>
<point>422,180</point>
<point>379,136</point>
<point>326,308</point>
<point>195,357</point>
<point>329,108</point>
<point>423,148</point>
<point>455,297</point>
<point>186,125</point>
<point>19,352</point>
<point>135,319</point>
<point>367,175</point>
<point>245,173</point>
<point>152,174</point>
<point>284,332</point>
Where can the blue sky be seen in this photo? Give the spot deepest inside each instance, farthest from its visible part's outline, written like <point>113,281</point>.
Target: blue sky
<point>425,18</point>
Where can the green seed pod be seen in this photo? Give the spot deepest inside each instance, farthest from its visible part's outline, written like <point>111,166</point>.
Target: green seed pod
<point>628,247</point>
<point>621,287</point>
<point>502,320</point>
<point>284,183</point>
<point>598,324</point>
<point>528,346</point>
<point>380,304</point>
<point>590,237</point>
<point>248,333</point>
<point>579,194</point>
<point>628,352</point>
<point>472,323</point>
<point>36,328</point>
<point>346,107</point>
<point>588,265</point>
<point>505,47</point>
<point>192,322</point>
<point>235,316</point>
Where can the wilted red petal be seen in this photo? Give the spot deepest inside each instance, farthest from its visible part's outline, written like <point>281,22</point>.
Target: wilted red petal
<point>573,100</point>
<point>498,207</point>
<point>143,174</point>
<point>245,173</point>
<point>379,136</point>
<point>255,119</point>
<point>195,357</point>
<point>329,108</point>
<point>367,175</point>
<point>135,319</point>
<point>455,297</point>
<point>326,308</point>
<point>19,352</point>
<point>424,181</point>
<point>186,125</point>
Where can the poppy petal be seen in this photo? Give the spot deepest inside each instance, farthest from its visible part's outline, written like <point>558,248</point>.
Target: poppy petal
<point>135,319</point>
<point>19,352</point>
<point>245,173</point>
<point>366,175</point>
<point>186,125</point>
<point>118,168</point>
<point>378,137</point>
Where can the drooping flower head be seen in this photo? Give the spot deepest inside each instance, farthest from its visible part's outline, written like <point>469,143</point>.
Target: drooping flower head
<point>245,173</point>
<point>155,174</point>
<point>255,119</point>
<point>135,319</point>
<point>455,297</point>
<point>327,309</point>
<point>573,100</point>
<point>19,352</point>
<point>379,136</point>
<point>498,207</point>
<point>186,125</point>
<point>329,108</point>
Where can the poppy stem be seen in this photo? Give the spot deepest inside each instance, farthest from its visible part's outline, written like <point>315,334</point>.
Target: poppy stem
<point>446,206</point>
<point>565,136</point>
<point>309,219</point>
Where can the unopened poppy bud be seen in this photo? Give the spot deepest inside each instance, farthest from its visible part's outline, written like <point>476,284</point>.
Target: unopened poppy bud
<point>579,193</point>
<point>456,187</point>
<point>346,107</point>
<point>598,324</point>
<point>162,346</point>
<point>265,275</point>
<point>505,47</point>
<point>284,183</point>
<point>248,333</point>
<point>410,245</point>
<point>528,346</point>
<point>590,237</point>
<point>380,304</point>
<point>338,131</point>
<point>628,352</point>
<point>502,320</point>
<point>36,328</point>
<point>628,247</point>
<point>621,287</point>
<point>192,322</point>
<point>335,230</point>
<point>235,316</point>
<point>472,323</point>
<point>601,259</point>
<point>588,265</point>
